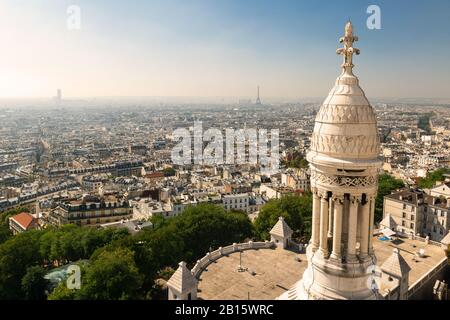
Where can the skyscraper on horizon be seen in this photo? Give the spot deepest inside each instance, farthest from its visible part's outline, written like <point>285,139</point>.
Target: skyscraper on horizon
<point>58,97</point>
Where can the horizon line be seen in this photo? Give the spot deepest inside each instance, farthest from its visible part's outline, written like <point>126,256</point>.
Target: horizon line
<point>69,98</point>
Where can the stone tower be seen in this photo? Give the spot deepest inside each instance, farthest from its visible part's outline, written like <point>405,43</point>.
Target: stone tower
<point>344,167</point>
<point>281,233</point>
<point>182,285</point>
<point>395,268</point>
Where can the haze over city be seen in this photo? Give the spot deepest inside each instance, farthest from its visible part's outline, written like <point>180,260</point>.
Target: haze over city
<point>223,150</point>
<point>206,48</point>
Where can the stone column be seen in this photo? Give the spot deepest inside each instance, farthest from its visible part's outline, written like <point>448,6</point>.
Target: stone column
<point>352,228</point>
<point>324,225</point>
<point>371,204</point>
<point>337,227</point>
<point>315,231</point>
<point>330,217</point>
<point>365,226</point>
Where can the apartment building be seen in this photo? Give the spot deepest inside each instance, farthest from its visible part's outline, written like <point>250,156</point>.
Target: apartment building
<point>297,179</point>
<point>90,210</point>
<point>415,212</point>
<point>22,222</point>
<point>236,202</point>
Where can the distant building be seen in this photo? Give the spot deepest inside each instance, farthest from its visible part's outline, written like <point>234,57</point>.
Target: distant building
<point>140,149</point>
<point>406,210</point>
<point>414,212</point>
<point>434,160</point>
<point>258,100</point>
<point>148,208</point>
<point>92,183</point>
<point>90,210</point>
<point>22,222</point>
<point>11,180</point>
<point>428,139</point>
<point>275,192</point>
<point>58,97</point>
<point>441,190</point>
<point>297,179</point>
<point>236,202</point>
<point>155,176</point>
<point>232,188</point>
<point>133,226</point>
<point>129,168</point>
<point>255,203</point>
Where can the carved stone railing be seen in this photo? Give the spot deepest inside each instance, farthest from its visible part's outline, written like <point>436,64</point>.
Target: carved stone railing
<point>432,242</point>
<point>418,238</point>
<point>224,251</point>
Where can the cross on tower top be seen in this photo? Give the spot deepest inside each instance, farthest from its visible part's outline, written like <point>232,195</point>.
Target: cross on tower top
<point>347,51</point>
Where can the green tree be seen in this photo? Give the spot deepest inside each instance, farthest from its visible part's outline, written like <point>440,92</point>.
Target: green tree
<point>386,185</point>
<point>11,212</point>
<point>34,284</point>
<point>432,177</point>
<point>169,172</point>
<point>46,248</point>
<point>16,256</point>
<point>188,237</point>
<point>158,221</point>
<point>166,273</point>
<point>5,233</point>
<point>112,275</point>
<point>121,266</point>
<point>72,243</point>
<point>61,292</point>
<point>295,209</point>
<point>209,226</point>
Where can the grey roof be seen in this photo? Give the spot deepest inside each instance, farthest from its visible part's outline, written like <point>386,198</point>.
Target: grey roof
<point>281,229</point>
<point>396,264</point>
<point>182,280</point>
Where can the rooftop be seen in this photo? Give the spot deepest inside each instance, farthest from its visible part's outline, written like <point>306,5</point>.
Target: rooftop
<point>277,270</point>
<point>408,248</point>
<point>182,279</point>
<point>281,229</point>
<point>24,219</point>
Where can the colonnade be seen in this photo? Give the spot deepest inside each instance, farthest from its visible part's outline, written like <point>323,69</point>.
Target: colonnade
<point>347,219</point>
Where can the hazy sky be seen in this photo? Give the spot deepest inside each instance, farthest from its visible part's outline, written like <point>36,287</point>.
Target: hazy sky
<point>220,48</point>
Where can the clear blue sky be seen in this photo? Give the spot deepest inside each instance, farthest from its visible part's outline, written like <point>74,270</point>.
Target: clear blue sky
<point>220,48</point>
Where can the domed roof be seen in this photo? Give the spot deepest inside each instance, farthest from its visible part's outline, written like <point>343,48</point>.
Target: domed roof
<point>346,126</point>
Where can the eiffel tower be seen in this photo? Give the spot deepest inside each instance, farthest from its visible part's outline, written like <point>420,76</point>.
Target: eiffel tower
<point>258,100</point>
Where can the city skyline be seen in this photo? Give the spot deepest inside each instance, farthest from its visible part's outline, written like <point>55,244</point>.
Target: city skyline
<point>183,198</point>
<point>219,49</point>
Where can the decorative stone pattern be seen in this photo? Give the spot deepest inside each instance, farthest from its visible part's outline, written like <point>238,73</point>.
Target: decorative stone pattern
<point>348,145</point>
<point>344,181</point>
<point>346,114</point>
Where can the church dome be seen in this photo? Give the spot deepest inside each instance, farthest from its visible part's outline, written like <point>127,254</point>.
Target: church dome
<point>345,127</point>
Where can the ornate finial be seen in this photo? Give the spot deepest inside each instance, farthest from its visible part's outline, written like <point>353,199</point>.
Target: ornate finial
<point>347,51</point>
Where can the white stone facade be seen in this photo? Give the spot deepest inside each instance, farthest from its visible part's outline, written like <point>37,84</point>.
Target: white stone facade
<point>344,167</point>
